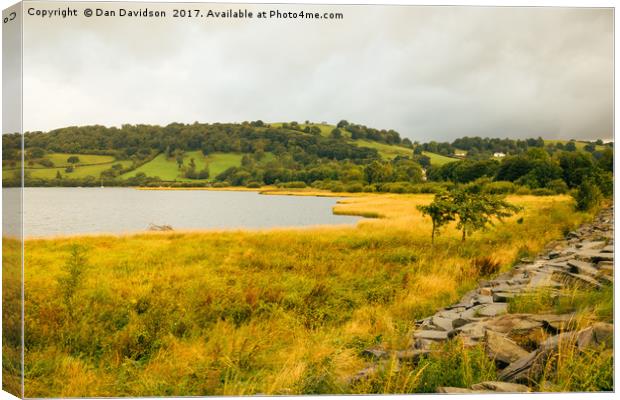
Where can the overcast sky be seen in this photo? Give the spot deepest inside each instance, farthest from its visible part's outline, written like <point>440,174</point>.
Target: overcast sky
<point>431,73</point>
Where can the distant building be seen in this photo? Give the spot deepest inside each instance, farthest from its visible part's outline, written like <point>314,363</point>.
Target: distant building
<point>499,155</point>
<point>460,154</point>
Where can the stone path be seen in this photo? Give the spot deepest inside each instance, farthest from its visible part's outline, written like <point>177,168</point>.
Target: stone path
<point>520,343</point>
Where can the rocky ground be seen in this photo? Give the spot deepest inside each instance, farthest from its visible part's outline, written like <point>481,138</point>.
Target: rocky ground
<point>520,344</point>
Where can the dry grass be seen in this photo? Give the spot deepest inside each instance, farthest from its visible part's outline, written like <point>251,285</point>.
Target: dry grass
<point>283,311</point>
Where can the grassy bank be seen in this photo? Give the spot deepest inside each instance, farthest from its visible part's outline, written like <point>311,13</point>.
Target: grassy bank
<point>283,311</point>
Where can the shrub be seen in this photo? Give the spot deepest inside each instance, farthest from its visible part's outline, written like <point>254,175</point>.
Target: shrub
<point>523,191</point>
<point>558,186</point>
<point>499,187</point>
<point>588,196</point>
<point>293,185</point>
<point>354,187</point>
<point>543,192</point>
<point>253,185</point>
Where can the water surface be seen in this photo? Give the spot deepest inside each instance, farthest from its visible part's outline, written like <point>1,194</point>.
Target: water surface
<point>68,211</point>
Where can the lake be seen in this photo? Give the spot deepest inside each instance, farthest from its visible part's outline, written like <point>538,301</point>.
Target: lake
<point>68,211</point>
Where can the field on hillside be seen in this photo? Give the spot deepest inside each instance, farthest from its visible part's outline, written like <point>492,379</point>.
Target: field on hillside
<point>167,168</point>
<point>579,145</point>
<point>90,164</point>
<point>284,311</point>
<point>438,159</point>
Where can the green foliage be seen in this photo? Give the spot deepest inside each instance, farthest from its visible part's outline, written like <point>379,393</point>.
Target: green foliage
<point>73,159</point>
<point>472,210</point>
<point>442,210</point>
<point>74,274</point>
<point>588,196</point>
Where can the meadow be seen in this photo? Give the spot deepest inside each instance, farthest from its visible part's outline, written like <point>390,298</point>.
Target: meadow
<point>281,311</point>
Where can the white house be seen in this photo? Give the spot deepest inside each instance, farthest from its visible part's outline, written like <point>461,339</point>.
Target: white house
<point>499,155</point>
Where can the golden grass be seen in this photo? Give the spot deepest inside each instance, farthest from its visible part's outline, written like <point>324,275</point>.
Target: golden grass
<point>283,311</point>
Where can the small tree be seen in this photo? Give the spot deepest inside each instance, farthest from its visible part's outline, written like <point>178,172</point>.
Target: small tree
<point>58,176</point>
<point>73,160</point>
<point>474,211</point>
<point>441,211</point>
<point>477,210</point>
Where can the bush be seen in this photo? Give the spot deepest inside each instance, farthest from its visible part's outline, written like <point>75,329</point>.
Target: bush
<point>588,196</point>
<point>354,187</point>
<point>293,185</point>
<point>523,191</point>
<point>543,192</point>
<point>558,186</point>
<point>221,184</point>
<point>253,185</point>
<point>499,187</point>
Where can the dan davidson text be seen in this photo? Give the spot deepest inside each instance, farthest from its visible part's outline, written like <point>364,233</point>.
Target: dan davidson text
<point>145,12</point>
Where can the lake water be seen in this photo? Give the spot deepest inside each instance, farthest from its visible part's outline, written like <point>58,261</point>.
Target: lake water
<point>67,211</point>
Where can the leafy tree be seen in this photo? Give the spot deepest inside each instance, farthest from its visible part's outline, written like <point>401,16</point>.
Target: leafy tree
<point>73,159</point>
<point>58,176</point>
<point>477,210</point>
<point>474,210</point>
<point>336,133</point>
<point>570,146</point>
<point>441,211</point>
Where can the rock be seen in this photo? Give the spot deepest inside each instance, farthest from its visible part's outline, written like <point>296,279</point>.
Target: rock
<point>595,256</point>
<point>501,349</point>
<point>364,374</point>
<point>450,389</point>
<point>519,370</point>
<point>554,254</point>
<point>486,291</point>
<point>576,279</point>
<point>474,330</point>
<point>556,323</point>
<point>501,387</point>
<point>470,313</point>
<point>423,344</point>
<point>607,249</point>
<point>457,323</point>
<point>514,324</point>
<point>444,324</point>
<point>599,334</point>
<point>431,335</point>
<point>375,352</point>
<point>553,343</point>
<point>412,355</point>
<point>502,297</point>
<point>480,299</point>
<point>492,310</point>
<point>582,267</point>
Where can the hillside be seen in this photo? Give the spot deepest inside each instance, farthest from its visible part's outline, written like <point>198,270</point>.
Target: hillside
<point>341,157</point>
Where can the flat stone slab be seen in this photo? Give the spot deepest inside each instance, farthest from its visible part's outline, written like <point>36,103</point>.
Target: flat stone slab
<point>458,390</point>
<point>607,249</point>
<point>578,279</point>
<point>503,297</point>
<point>595,255</point>
<point>582,267</point>
<point>491,310</point>
<point>501,349</point>
<point>431,335</point>
<point>444,324</point>
<point>514,324</point>
<point>501,387</point>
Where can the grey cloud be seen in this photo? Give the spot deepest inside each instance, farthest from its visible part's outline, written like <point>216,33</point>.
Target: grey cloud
<point>432,73</point>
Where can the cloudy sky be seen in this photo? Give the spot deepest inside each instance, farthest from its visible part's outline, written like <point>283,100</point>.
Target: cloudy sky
<point>431,73</point>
